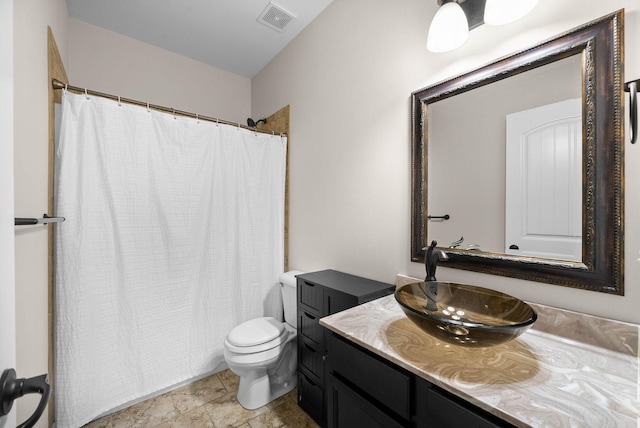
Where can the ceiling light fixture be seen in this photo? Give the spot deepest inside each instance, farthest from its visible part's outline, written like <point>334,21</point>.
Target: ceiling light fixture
<point>455,18</point>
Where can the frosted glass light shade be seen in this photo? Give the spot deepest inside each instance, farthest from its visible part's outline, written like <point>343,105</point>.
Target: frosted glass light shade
<point>449,28</point>
<point>500,12</point>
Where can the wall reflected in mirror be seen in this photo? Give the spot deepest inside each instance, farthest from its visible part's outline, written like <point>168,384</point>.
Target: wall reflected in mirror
<point>517,145</point>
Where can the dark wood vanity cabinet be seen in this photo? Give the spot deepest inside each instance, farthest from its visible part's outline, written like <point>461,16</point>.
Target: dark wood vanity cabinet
<point>320,294</point>
<point>363,389</point>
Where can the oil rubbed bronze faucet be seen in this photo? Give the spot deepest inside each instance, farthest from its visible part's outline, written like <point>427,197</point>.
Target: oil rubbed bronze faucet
<point>431,260</point>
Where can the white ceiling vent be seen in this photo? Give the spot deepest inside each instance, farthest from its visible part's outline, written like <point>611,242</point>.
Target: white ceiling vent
<point>275,17</point>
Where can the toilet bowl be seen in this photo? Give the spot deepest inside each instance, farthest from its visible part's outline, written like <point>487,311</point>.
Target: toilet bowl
<point>263,352</point>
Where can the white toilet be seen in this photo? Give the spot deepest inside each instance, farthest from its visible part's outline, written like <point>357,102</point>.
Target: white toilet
<point>263,352</point>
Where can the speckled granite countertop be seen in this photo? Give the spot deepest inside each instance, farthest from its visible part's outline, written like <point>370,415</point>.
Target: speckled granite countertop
<point>568,370</point>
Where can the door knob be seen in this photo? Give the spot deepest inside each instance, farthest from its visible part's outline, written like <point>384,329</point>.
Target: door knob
<point>12,389</point>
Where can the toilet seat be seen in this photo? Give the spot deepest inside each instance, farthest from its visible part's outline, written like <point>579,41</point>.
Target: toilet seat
<point>257,335</point>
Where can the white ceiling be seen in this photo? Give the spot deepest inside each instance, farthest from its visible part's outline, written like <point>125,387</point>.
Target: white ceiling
<point>221,33</point>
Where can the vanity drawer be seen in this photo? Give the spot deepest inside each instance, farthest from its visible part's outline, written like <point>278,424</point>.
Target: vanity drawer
<point>310,296</point>
<point>311,359</point>
<point>309,326</point>
<point>441,405</point>
<point>311,398</point>
<point>374,377</point>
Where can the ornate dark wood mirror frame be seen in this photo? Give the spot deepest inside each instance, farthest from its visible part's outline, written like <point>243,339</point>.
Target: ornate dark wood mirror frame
<point>600,44</point>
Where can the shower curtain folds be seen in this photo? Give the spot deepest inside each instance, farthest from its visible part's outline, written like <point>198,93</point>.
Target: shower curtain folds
<point>174,235</point>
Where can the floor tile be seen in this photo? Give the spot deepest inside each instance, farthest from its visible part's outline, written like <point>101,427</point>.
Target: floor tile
<point>208,403</point>
<point>227,412</point>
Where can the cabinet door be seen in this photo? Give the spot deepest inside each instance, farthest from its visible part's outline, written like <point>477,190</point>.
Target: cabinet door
<point>310,328</point>
<point>310,296</point>
<point>347,409</point>
<point>311,398</point>
<point>311,359</point>
<point>446,411</point>
<point>337,301</point>
<point>381,381</point>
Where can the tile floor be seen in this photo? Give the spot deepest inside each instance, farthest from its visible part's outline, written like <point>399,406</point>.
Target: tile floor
<point>208,403</point>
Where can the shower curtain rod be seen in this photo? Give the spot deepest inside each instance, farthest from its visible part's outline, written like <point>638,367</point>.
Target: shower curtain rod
<point>60,85</point>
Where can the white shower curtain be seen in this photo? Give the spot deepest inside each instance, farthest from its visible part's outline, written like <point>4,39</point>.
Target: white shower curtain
<point>173,235</point>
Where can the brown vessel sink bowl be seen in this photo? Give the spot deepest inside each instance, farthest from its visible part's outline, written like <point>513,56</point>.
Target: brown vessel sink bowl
<point>465,315</point>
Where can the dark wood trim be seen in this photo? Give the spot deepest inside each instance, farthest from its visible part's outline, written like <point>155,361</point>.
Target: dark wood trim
<point>56,71</point>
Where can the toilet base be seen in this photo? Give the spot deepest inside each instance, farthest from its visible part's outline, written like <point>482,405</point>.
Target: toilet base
<point>255,390</point>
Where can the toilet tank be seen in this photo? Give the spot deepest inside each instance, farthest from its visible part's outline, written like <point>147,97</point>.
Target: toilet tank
<point>289,296</point>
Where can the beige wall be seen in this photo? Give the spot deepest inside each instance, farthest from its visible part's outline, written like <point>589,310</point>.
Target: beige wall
<point>31,18</point>
<point>348,78</point>
<point>109,62</point>
<point>7,247</point>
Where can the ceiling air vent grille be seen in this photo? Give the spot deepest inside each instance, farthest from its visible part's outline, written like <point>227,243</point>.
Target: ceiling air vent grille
<point>275,17</point>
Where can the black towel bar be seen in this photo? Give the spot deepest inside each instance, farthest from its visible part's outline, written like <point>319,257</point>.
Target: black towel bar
<point>22,221</point>
<point>439,217</point>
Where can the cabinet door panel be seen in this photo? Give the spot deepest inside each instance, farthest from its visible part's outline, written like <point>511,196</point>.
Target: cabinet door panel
<point>310,296</point>
<point>381,381</point>
<point>309,326</point>
<point>310,358</point>
<point>446,412</point>
<point>311,398</point>
<point>347,409</point>
<point>336,301</point>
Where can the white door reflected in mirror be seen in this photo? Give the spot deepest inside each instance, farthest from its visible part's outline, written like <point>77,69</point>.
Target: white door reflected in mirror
<point>544,181</point>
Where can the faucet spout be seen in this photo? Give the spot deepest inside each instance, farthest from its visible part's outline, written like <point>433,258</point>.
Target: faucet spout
<point>431,260</point>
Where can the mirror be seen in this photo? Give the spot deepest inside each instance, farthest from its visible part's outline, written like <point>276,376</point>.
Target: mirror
<point>524,159</point>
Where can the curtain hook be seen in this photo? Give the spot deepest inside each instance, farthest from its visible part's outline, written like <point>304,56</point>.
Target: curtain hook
<point>148,109</point>
<point>217,124</point>
<point>66,85</point>
<point>119,104</point>
<point>174,113</point>
<point>86,95</point>
<point>238,126</point>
